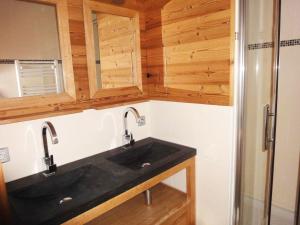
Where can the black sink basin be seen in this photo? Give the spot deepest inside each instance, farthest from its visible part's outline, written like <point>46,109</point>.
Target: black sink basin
<point>55,185</point>
<point>55,196</point>
<point>84,184</point>
<point>136,158</point>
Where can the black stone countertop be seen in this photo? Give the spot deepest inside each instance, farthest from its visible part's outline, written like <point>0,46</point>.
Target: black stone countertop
<point>108,178</point>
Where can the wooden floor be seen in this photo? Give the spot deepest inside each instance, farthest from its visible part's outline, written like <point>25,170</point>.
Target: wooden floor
<point>168,207</point>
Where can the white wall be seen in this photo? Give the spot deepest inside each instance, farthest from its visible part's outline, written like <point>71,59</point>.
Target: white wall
<point>207,128</point>
<point>80,135</point>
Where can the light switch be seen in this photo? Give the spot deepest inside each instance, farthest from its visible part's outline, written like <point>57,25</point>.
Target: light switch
<point>4,155</point>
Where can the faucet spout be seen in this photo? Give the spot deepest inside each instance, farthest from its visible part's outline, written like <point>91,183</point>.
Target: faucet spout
<point>136,115</point>
<point>49,161</point>
<point>140,120</point>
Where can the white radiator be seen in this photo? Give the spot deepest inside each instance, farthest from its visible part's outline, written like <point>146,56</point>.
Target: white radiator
<point>38,77</point>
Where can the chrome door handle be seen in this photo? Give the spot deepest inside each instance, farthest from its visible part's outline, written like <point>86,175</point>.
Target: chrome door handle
<point>268,128</point>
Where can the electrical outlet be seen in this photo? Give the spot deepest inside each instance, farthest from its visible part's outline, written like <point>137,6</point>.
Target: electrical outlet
<point>4,155</point>
<point>142,121</point>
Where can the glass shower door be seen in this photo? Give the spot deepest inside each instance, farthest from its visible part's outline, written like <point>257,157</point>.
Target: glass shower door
<point>260,98</point>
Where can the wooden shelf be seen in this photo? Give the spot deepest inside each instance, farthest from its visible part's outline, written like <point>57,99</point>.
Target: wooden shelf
<point>169,206</point>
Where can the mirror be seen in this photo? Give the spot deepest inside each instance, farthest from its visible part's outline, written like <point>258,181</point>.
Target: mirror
<point>115,50</point>
<point>30,53</point>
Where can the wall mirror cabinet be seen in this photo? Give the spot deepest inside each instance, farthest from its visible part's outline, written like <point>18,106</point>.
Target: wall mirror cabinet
<point>113,49</point>
<point>35,54</point>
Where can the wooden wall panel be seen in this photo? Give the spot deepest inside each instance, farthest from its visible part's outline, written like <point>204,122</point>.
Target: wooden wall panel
<point>179,10</point>
<point>60,105</point>
<point>117,50</point>
<point>189,50</point>
<point>80,58</point>
<point>77,36</point>
<point>186,53</point>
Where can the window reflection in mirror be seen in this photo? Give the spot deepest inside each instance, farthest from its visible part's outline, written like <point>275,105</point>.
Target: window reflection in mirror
<point>115,50</point>
<point>30,59</point>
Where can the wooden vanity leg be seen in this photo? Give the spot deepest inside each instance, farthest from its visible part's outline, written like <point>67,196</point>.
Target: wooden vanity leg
<point>191,191</point>
<point>4,206</point>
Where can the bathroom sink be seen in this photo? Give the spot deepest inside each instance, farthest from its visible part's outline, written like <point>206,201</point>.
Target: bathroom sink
<point>60,194</point>
<point>57,184</point>
<point>136,158</point>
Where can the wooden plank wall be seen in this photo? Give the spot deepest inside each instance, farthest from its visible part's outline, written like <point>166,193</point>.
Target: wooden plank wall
<point>79,48</point>
<point>117,50</point>
<point>189,50</point>
<point>49,106</point>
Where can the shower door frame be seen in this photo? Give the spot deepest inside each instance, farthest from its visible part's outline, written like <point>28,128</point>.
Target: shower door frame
<point>240,110</point>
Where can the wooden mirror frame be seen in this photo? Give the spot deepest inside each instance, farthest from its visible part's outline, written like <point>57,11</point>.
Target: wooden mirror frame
<point>16,107</point>
<point>88,7</point>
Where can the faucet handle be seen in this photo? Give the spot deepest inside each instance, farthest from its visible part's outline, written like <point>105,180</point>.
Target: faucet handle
<point>51,167</point>
<point>51,160</point>
<point>132,141</point>
<point>128,138</point>
<point>47,161</point>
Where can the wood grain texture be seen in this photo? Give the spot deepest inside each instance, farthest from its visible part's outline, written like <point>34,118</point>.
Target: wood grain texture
<point>20,109</point>
<point>186,55</point>
<point>190,51</point>
<point>191,191</point>
<point>4,207</point>
<point>16,107</point>
<point>111,25</point>
<point>131,193</point>
<point>168,206</point>
<point>117,51</point>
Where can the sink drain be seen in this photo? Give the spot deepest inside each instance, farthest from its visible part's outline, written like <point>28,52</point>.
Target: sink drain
<point>146,164</point>
<point>64,200</point>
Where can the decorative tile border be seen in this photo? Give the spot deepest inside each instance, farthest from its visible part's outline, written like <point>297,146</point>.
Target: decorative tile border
<point>292,42</point>
<point>260,45</point>
<point>284,43</point>
<point>7,61</point>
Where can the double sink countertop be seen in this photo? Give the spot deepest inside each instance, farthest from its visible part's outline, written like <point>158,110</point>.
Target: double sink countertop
<point>82,185</point>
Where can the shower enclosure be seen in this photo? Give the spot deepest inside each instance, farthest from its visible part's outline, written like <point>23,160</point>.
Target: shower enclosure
<point>257,101</point>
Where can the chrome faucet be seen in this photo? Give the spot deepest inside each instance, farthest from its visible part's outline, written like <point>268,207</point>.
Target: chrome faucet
<point>48,159</point>
<point>140,120</point>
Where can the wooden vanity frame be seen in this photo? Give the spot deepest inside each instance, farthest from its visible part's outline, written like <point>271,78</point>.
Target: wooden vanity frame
<point>4,205</point>
<point>17,106</point>
<point>88,7</point>
<point>99,210</point>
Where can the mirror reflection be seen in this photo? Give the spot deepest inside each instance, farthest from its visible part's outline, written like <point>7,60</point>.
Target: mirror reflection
<point>115,50</point>
<point>30,59</point>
